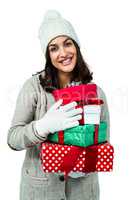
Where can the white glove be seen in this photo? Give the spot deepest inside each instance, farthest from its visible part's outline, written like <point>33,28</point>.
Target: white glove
<point>59,118</point>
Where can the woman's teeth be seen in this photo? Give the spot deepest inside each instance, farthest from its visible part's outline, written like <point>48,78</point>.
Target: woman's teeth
<point>67,61</point>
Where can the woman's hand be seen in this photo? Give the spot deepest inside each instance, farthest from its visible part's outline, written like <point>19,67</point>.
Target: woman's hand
<point>59,118</point>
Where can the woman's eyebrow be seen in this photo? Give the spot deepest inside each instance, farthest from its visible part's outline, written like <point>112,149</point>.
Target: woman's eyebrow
<point>67,39</point>
<point>52,45</point>
<point>63,42</point>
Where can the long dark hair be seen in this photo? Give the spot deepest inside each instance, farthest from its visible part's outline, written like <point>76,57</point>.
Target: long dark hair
<point>49,81</point>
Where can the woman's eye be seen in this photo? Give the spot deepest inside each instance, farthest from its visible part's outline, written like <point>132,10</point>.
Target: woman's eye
<point>53,49</point>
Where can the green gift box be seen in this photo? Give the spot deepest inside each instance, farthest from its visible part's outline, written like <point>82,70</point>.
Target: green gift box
<point>82,135</point>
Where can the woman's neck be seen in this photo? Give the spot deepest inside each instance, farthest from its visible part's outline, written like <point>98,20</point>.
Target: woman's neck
<point>64,79</point>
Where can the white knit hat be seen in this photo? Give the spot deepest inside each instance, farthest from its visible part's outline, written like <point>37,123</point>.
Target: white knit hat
<point>54,25</point>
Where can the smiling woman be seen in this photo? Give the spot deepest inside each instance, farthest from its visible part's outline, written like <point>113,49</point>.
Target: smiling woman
<point>37,114</point>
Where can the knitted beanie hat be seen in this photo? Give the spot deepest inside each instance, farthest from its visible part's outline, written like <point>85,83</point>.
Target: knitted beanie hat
<point>54,25</point>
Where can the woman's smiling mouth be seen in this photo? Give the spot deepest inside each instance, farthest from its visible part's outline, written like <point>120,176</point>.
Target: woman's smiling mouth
<point>66,61</point>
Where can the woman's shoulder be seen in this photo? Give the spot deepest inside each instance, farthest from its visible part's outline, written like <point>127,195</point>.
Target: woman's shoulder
<point>32,83</point>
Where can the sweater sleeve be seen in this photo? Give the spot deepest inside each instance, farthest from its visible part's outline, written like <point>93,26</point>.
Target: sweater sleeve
<point>22,133</point>
<point>105,116</point>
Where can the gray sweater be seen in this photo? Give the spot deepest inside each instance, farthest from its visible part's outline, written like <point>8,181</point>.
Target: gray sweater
<point>32,103</point>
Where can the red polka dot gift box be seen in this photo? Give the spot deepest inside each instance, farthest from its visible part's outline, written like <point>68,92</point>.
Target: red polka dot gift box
<point>58,158</point>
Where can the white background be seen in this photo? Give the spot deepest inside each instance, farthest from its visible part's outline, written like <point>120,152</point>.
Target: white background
<point>105,31</point>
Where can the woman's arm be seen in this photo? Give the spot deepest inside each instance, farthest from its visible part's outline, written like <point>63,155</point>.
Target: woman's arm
<point>22,133</point>
<point>104,111</point>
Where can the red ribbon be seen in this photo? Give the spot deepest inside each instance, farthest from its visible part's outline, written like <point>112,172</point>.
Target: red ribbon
<point>96,134</point>
<point>61,137</point>
<point>91,158</point>
<point>70,161</point>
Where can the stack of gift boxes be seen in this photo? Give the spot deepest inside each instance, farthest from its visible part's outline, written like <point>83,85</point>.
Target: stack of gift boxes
<point>83,148</point>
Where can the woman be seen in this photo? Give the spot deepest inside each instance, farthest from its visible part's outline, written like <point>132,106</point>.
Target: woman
<point>36,114</point>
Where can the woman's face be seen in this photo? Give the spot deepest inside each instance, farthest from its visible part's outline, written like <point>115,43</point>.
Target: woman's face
<point>63,54</point>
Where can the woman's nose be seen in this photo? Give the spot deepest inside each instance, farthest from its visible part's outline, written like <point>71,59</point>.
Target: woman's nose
<point>62,51</point>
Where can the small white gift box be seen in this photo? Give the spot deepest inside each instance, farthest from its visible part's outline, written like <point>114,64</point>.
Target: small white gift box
<point>92,114</point>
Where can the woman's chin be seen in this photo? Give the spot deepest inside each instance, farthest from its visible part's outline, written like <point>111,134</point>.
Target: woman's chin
<point>67,68</point>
